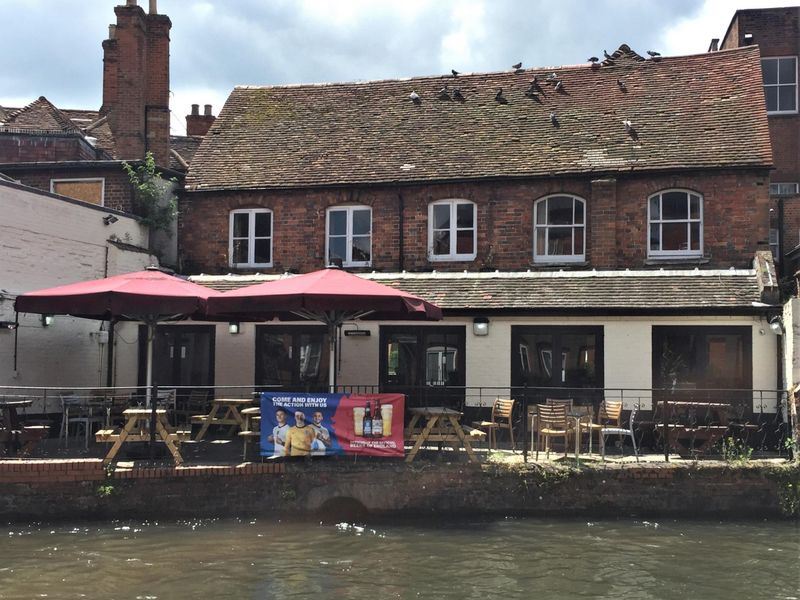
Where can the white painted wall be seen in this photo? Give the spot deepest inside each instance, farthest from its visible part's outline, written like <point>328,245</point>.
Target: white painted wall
<point>45,241</point>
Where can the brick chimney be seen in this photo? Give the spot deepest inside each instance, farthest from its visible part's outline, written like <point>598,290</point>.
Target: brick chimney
<point>197,124</point>
<point>136,82</point>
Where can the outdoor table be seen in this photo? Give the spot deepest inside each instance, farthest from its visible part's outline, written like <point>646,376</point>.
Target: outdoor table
<point>14,435</point>
<point>684,425</point>
<point>252,427</point>
<point>582,417</point>
<point>442,425</point>
<point>136,429</point>
<point>231,417</point>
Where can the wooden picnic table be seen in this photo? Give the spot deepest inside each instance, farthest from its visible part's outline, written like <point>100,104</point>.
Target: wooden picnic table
<point>442,425</point>
<point>692,427</point>
<point>14,435</point>
<point>231,417</point>
<point>251,429</point>
<point>137,429</point>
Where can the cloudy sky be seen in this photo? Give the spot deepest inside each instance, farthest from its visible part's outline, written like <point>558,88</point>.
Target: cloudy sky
<point>53,48</point>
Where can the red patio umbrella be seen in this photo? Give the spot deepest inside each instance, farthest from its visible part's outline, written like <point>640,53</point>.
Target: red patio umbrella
<point>330,296</point>
<point>149,296</point>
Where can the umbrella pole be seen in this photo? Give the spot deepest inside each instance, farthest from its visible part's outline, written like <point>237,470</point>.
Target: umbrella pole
<point>151,337</point>
<point>332,358</point>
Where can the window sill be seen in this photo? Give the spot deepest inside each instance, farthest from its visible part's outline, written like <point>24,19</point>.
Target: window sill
<point>572,264</point>
<point>676,260</point>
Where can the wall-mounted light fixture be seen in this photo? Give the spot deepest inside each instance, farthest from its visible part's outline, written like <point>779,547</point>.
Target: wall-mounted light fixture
<point>109,219</point>
<point>7,325</point>
<point>776,325</point>
<point>480,326</point>
<point>233,327</point>
<point>48,320</point>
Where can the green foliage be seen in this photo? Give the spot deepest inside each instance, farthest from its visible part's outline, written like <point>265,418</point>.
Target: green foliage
<point>735,451</point>
<point>789,498</point>
<point>154,202</point>
<point>105,490</point>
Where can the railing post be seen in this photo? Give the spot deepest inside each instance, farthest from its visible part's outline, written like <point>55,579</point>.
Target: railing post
<point>153,408</point>
<point>525,413</point>
<point>665,419</point>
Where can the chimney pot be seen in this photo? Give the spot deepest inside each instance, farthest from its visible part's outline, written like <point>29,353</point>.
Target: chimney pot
<point>195,109</point>
<point>131,3</point>
<point>207,110</point>
<point>153,7</point>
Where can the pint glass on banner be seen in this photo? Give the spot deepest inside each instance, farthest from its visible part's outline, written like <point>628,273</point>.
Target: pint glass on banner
<point>323,424</point>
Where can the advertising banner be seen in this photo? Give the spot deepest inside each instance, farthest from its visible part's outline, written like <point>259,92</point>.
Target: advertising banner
<point>299,424</point>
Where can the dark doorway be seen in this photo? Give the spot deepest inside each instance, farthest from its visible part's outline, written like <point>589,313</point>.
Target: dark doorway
<point>183,355</point>
<point>422,362</point>
<point>292,357</point>
<point>570,358</point>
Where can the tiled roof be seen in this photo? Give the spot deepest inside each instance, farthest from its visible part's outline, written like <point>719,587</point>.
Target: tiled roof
<point>40,115</point>
<point>184,146</point>
<point>584,291</point>
<point>700,111</point>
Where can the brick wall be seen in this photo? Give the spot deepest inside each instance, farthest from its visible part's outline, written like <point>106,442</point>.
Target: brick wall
<point>56,492</point>
<point>117,192</point>
<point>39,148</point>
<point>777,33</point>
<point>735,221</point>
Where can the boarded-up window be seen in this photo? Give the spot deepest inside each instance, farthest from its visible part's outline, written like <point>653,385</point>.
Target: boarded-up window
<point>88,190</point>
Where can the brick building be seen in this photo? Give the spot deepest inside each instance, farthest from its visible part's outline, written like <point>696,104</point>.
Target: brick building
<point>593,220</point>
<point>776,31</point>
<point>79,153</point>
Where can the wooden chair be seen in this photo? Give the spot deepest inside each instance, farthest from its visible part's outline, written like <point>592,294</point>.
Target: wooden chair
<point>552,422</point>
<point>502,411</point>
<point>608,415</point>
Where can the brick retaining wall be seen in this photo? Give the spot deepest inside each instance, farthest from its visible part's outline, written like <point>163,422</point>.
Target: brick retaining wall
<point>55,490</point>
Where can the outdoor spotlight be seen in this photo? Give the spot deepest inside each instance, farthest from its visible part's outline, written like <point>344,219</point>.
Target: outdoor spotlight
<point>480,326</point>
<point>109,219</point>
<point>47,320</point>
<point>7,325</point>
<point>233,327</point>
<point>776,325</point>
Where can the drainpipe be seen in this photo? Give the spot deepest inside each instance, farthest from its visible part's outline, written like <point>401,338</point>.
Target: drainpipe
<point>780,240</point>
<point>401,223</point>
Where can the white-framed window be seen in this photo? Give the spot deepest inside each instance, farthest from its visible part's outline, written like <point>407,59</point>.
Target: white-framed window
<point>250,237</point>
<point>780,84</point>
<point>349,235</point>
<point>87,189</point>
<point>452,230</point>
<point>675,219</point>
<point>559,229</point>
<point>783,189</point>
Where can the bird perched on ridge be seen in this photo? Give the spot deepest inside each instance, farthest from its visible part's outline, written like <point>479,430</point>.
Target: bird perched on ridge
<point>559,86</point>
<point>653,53</point>
<point>414,96</point>
<point>621,84</point>
<point>457,94</point>
<point>592,59</point>
<point>444,93</point>
<point>553,118</point>
<point>517,66</point>
<point>606,55</point>
<point>455,73</point>
<point>499,95</point>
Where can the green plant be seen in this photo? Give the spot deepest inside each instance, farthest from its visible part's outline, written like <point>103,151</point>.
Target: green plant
<point>789,498</point>
<point>154,200</point>
<point>104,490</point>
<point>735,451</point>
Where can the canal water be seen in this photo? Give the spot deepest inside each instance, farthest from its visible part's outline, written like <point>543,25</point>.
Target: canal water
<point>481,559</point>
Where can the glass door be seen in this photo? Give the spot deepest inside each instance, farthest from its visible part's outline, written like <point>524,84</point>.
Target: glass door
<point>183,355</point>
<point>292,358</point>
<point>423,363</point>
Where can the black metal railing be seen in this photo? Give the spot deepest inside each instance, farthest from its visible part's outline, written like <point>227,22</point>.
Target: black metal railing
<point>691,423</point>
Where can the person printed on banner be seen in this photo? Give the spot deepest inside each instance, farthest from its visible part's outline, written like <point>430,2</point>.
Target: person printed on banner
<point>278,436</point>
<point>299,437</point>
<point>323,436</point>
